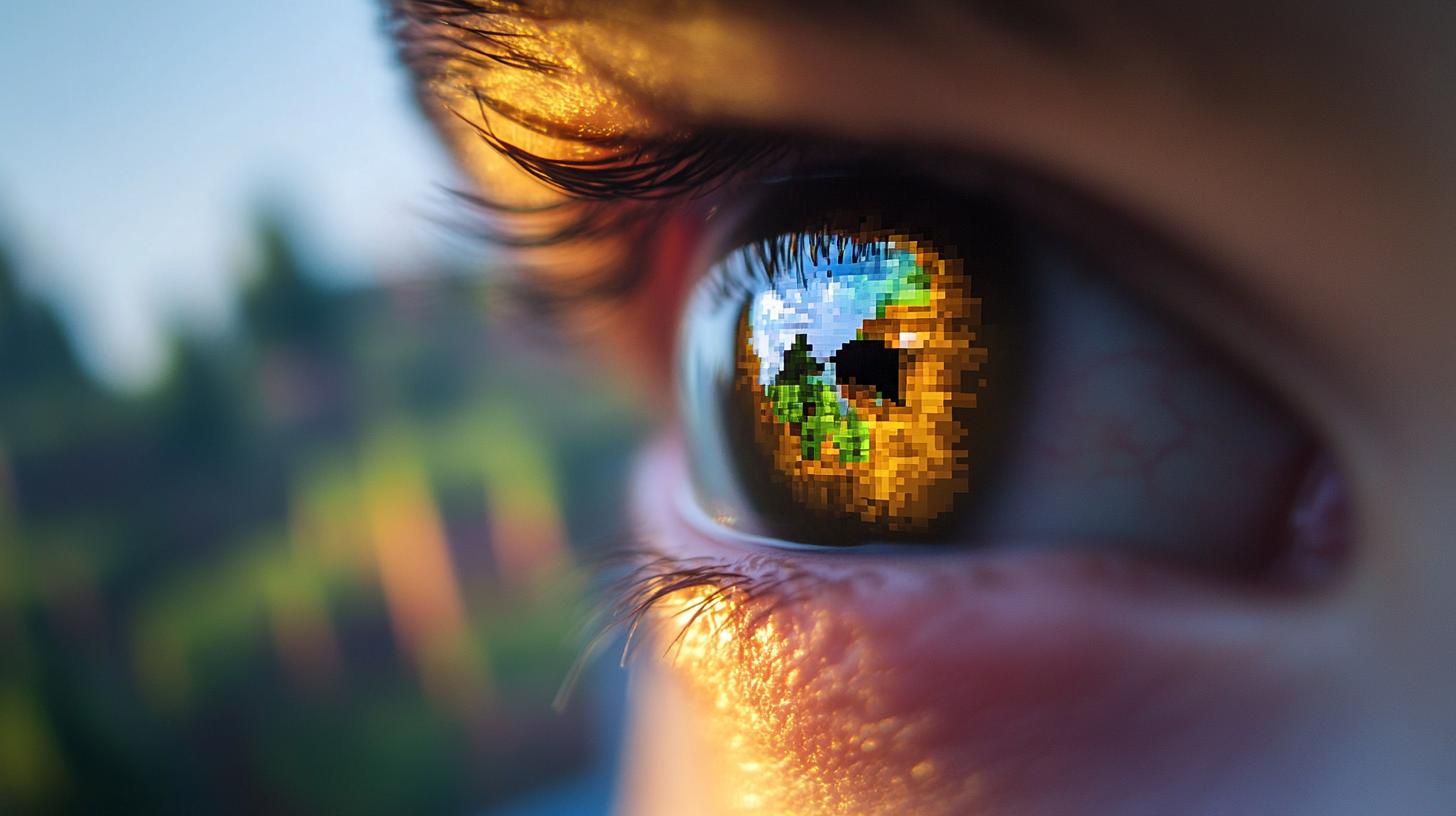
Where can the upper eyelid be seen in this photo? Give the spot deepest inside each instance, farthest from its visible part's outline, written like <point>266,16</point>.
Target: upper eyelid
<point>686,164</point>
<point>679,160</point>
<point>638,170</point>
<point>632,182</point>
<point>431,34</point>
<point>673,163</point>
<point>629,193</point>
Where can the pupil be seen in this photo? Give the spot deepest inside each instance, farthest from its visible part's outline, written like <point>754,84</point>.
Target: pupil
<point>872,364</point>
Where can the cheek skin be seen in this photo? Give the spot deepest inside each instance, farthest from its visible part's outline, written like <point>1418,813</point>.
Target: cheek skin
<point>966,684</point>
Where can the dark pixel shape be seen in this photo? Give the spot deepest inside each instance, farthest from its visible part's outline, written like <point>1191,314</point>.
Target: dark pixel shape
<point>799,364</point>
<point>872,364</point>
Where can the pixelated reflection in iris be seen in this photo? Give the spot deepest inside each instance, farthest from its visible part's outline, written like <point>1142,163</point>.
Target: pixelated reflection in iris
<point>855,370</point>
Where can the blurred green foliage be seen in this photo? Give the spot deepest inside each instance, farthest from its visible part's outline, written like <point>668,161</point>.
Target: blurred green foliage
<point>294,575</point>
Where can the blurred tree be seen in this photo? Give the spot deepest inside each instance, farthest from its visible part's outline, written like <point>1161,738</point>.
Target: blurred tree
<point>175,565</point>
<point>300,335</point>
<point>34,346</point>
<point>284,304</point>
<point>203,418</point>
<point>44,391</point>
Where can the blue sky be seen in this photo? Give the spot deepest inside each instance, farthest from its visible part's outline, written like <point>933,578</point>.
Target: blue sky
<point>137,136</point>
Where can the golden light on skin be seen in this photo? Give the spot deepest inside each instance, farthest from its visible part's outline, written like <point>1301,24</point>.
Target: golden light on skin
<point>685,52</point>
<point>545,101</point>
<point>559,99</point>
<point>915,469</point>
<point>791,722</point>
<point>536,70</point>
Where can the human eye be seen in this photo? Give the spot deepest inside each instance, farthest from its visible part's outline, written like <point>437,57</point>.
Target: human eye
<point>871,361</point>
<point>976,491</point>
<point>1073,485</point>
<point>958,492</point>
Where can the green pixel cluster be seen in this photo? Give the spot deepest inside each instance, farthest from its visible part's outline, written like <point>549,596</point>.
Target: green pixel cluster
<point>809,403</point>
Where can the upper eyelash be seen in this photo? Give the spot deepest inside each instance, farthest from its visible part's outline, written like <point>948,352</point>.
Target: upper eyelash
<point>788,257</point>
<point>650,170</point>
<point>638,169</point>
<point>625,191</point>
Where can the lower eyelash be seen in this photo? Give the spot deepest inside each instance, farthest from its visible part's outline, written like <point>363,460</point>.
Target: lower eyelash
<point>638,581</point>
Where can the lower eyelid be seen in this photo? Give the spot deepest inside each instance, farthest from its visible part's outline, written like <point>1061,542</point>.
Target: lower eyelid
<point>884,662</point>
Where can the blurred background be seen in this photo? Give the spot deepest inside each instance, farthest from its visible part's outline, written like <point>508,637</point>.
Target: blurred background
<point>290,521</point>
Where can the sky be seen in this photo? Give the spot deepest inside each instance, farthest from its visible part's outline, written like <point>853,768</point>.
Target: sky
<point>137,138</point>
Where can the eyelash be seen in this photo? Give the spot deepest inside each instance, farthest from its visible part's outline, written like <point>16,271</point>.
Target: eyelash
<point>782,258</point>
<point>688,166</point>
<point>625,191</point>
<point>623,194</point>
<point>635,583</point>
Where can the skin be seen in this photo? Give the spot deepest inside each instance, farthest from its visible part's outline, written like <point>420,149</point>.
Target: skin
<point>1308,160</point>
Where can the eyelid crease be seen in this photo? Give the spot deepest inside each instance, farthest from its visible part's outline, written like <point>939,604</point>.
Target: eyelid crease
<point>690,164</point>
<point>437,37</point>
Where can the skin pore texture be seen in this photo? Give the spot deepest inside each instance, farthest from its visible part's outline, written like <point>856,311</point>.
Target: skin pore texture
<point>1306,157</point>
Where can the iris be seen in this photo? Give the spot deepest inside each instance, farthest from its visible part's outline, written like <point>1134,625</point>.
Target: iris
<point>853,375</point>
